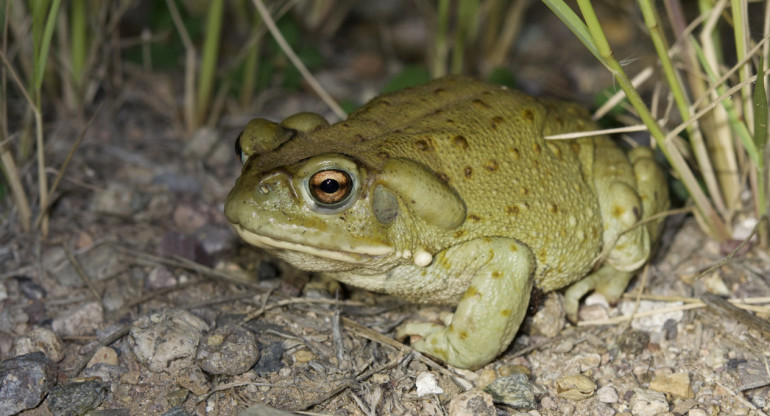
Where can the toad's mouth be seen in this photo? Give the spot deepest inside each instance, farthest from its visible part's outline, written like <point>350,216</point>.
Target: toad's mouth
<point>364,255</point>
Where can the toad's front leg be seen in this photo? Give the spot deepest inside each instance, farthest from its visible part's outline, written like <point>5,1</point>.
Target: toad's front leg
<point>491,309</point>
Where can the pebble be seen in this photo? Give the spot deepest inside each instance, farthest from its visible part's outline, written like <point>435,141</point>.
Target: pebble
<point>31,289</point>
<point>104,355</point>
<point>633,342</point>
<point>228,350</point>
<point>187,218</point>
<point>269,359</point>
<point>303,356</point>
<point>697,412</point>
<point>167,341</point>
<point>654,323</point>
<point>607,394</point>
<point>426,383</point>
<point>84,319</point>
<point>77,398</point>
<point>549,319</point>
<point>472,403</point>
<point>159,277</point>
<point>98,263</point>
<point>24,382</point>
<point>193,379</point>
<point>677,384</point>
<point>39,339</point>
<point>514,390</point>
<point>575,387</point>
<point>648,403</point>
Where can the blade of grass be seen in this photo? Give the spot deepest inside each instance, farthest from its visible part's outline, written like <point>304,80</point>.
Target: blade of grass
<point>651,19</point>
<point>760,134</point>
<point>440,49</point>
<point>576,25</point>
<point>740,13</point>
<point>209,58</point>
<point>309,78</point>
<point>467,24</point>
<point>189,70</point>
<point>717,227</point>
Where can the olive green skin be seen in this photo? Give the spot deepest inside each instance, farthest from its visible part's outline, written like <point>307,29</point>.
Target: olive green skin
<point>451,196</point>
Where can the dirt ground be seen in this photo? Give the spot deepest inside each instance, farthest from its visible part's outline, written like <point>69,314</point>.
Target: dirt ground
<point>147,302</point>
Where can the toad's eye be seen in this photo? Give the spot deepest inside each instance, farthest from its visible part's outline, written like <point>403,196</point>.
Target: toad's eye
<point>330,187</point>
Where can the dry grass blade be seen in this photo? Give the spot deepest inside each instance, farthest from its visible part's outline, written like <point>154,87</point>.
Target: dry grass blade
<point>309,78</point>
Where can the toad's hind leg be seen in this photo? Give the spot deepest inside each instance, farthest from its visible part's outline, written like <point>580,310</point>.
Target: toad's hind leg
<point>627,192</point>
<point>492,308</point>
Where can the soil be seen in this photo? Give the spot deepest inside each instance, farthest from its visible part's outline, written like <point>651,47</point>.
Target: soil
<point>139,256</point>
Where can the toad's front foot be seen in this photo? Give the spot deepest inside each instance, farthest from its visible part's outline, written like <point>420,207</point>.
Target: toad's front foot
<point>491,309</point>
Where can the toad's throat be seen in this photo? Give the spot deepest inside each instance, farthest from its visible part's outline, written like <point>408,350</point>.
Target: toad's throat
<point>364,255</point>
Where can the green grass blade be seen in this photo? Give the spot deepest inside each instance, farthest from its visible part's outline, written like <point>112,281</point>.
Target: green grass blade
<point>45,44</point>
<point>575,24</point>
<point>209,57</point>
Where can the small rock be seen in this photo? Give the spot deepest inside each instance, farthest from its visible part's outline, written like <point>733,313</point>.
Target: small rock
<point>188,219</point>
<point>76,398</point>
<point>39,339</point>
<point>671,329</point>
<point>167,341</point>
<point>303,356</point>
<point>24,382</point>
<point>575,387</point>
<point>269,359</point>
<point>426,384</point>
<point>648,403</point>
<point>158,278</point>
<point>98,263</point>
<point>193,379</point>
<point>186,246</point>
<point>676,384</point>
<point>104,372</point>
<point>81,320</point>
<point>549,320</point>
<point>607,394</point>
<point>515,391</point>
<point>31,289</point>
<point>654,323</point>
<point>472,403</point>
<point>633,342</point>
<point>104,355</point>
<point>228,350</point>
<point>697,412</point>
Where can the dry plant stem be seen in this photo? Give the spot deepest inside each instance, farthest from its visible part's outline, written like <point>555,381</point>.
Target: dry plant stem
<point>651,19</point>
<point>188,105</point>
<point>309,78</point>
<point>509,33</point>
<point>440,48</point>
<point>39,124</point>
<point>17,189</point>
<point>740,14</point>
<point>67,160</point>
<point>738,397</point>
<point>718,228</point>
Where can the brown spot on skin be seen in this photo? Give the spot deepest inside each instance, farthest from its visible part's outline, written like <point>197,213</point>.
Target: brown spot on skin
<point>491,166</point>
<point>512,210</point>
<point>575,147</point>
<point>472,292</point>
<point>553,208</point>
<point>383,154</point>
<point>468,172</point>
<point>559,122</point>
<point>459,233</point>
<point>536,147</point>
<point>424,145</point>
<point>496,274</point>
<point>506,312</point>
<point>515,152</point>
<point>527,115</point>
<point>495,121</point>
<point>474,217</point>
<point>443,176</point>
<point>460,142</point>
<point>463,335</point>
<point>437,112</point>
<point>480,103</point>
<point>449,121</point>
<point>524,190</point>
<point>617,211</point>
<point>514,248</point>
